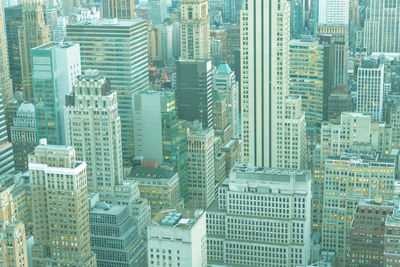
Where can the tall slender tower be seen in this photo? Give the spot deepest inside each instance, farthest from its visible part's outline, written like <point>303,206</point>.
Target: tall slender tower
<point>265,39</point>
<point>60,207</point>
<point>195,29</point>
<point>93,128</point>
<point>5,82</point>
<point>34,32</point>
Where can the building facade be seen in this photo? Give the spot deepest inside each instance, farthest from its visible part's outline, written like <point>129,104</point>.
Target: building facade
<point>13,20</point>
<point>382,26</point>
<point>23,135</point>
<point>121,9</point>
<point>55,67</point>
<point>333,12</point>
<point>93,128</point>
<point>122,58</point>
<point>33,33</point>
<point>194,91</point>
<point>261,217</point>
<point>178,237</point>
<point>195,29</point>
<point>6,89</point>
<point>370,89</point>
<point>55,167</point>
<point>201,176</point>
<point>6,148</point>
<point>348,178</point>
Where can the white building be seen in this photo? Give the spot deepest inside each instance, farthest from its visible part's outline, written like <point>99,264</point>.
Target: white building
<point>195,29</point>
<point>370,89</point>
<point>333,12</point>
<point>93,128</point>
<point>265,39</point>
<point>382,26</point>
<point>201,176</point>
<point>177,238</point>
<point>261,218</point>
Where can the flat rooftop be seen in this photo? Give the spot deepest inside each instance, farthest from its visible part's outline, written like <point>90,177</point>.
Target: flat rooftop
<point>150,173</point>
<point>108,22</point>
<point>176,218</point>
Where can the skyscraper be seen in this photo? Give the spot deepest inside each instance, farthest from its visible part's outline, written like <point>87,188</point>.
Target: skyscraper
<point>382,26</point>
<point>93,128</point>
<point>6,149</point>
<point>201,177</point>
<point>33,33</point>
<point>158,133</point>
<point>333,12</point>
<point>195,29</point>
<point>370,89</point>
<point>226,84</point>
<point>62,233</point>
<point>6,89</point>
<point>265,38</point>
<point>157,11</point>
<point>55,66</point>
<point>23,135</point>
<point>13,20</point>
<point>194,91</point>
<point>121,56</point>
<point>121,9</point>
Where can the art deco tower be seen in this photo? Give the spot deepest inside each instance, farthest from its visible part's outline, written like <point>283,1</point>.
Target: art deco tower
<point>5,81</point>
<point>265,40</point>
<point>34,32</point>
<point>195,29</point>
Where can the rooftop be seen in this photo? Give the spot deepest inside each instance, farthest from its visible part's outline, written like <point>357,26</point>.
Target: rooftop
<point>104,208</point>
<point>224,68</point>
<point>108,22</point>
<point>177,218</point>
<point>151,173</point>
<point>53,45</point>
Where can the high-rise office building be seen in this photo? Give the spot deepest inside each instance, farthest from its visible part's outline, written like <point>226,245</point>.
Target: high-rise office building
<point>159,185</point>
<point>367,232</point>
<point>6,148</point>
<point>55,66</point>
<point>337,137</point>
<point>195,29</point>
<point>340,38</point>
<point>93,128</point>
<point>121,56</point>
<point>23,135</point>
<point>158,134</point>
<point>177,237</point>
<point>69,5</point>
<point>265,38</point>
<point>6,89</point>
<point>157,11</point>
<point>13,20</point>
<point>370,89</point>
<point>201,190</point>
<point>12,231</point>
<point>222,127</point>
<point>382,26</point>
<point>261,218</point>
<point>33,33</point>
<point>194,91</point>
<point>339,101</point>
<point>231,10</point>
<point>333,12</point>
<point>226,84</point>
<point>297,14</point>
<point>307,80</point>
<point>114,236</point>
<point>60,207</point>
<point>361,174</point>
<point>121,9</point>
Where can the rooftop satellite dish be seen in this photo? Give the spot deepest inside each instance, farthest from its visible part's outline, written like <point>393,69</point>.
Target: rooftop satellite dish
<point>378,199</point>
